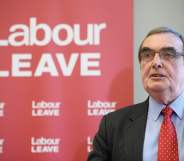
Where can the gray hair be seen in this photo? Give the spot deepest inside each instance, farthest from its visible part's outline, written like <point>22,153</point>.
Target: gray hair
<point>161,30</point>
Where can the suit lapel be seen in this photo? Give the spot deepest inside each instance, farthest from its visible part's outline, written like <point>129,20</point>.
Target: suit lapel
<point>135,132</point>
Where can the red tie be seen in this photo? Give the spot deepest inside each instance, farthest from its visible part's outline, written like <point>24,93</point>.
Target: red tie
<point>168,144</point>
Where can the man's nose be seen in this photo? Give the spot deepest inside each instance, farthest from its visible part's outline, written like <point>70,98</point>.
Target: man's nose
<point>157,61</point>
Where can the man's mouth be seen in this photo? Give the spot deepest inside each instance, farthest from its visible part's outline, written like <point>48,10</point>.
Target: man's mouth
<point>157,75</point>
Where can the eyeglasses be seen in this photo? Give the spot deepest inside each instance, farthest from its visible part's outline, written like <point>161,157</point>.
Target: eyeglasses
<point>167,54</point>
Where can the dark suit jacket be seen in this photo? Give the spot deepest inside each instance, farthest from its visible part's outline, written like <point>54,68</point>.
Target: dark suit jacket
<point>121,135</point>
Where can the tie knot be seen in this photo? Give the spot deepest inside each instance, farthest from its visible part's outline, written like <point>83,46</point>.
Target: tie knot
<point>167,111</point>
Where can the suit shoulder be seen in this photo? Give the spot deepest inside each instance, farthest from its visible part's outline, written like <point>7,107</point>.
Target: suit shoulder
<point>126,112</point>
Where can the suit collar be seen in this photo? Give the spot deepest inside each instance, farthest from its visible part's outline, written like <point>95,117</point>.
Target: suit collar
<point>135,132</point>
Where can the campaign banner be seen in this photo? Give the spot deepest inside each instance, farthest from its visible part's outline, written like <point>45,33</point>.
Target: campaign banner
<point>64,64</point>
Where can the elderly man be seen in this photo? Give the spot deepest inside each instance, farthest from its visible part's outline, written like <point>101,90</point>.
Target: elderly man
<point>152,130</point>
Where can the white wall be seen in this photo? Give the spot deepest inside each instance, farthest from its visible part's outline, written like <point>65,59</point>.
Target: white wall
<point>149,14</point>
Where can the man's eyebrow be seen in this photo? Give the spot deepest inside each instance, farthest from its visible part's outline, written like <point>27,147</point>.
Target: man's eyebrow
<point>163,48</point>
<point>168,48</point>
<point>146,49</point>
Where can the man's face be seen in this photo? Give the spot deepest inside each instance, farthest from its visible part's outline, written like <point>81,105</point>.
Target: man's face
<point>160,75</point>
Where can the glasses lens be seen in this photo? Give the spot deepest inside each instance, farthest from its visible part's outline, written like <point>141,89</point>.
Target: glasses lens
<point>147,55</point>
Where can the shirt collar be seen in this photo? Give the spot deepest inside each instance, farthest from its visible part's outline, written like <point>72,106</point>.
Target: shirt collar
<point>154,108</point>
<point>177,105</point>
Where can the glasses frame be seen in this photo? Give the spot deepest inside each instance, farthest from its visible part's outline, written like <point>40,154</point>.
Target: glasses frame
<point>166,53</point>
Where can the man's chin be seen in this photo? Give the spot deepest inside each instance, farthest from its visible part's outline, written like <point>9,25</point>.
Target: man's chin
<point>157,88</point>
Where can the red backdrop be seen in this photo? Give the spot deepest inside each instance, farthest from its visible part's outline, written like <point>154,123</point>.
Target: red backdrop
<point>50,105</point>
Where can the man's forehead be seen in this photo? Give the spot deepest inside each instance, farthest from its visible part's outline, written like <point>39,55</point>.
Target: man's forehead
<point>160,40</point>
